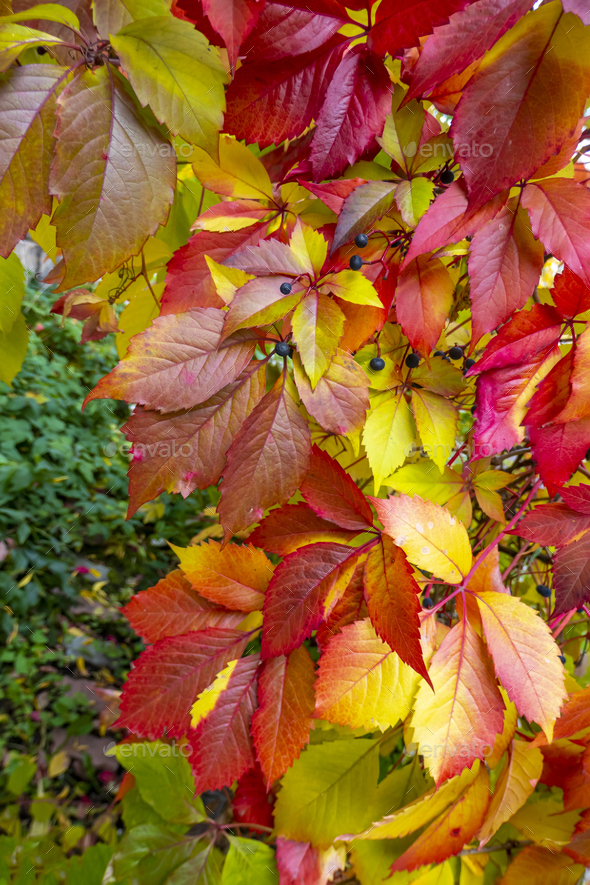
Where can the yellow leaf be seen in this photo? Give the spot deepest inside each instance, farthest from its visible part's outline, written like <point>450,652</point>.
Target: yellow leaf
<point>388,436</point>
<point>490,503</point>
<point>537,864</point>
<point>351,285</point>
<point>317,327</point>
<point>436,419</point>
<point>403,128</point>
<point>238,174</point>
<point>413,199</point>
<point>142,309</point>
<point>208,698</point>
<point>504,739</point>
<point>546,823</point>
<point>431,538</point>
<point>227,280</point>
<point>310,247</point>
<point>516,783</point>
<point>80,664</point>
<point>58,764</point>
<point>425,479</point>
<point>24,581</point>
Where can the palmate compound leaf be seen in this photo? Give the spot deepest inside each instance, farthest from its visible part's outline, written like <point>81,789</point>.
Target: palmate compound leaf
<point>173,607</point>
<point>25,148</point>
<point>221,745</point>
<point>458,722</point>
<point>516,783</point>
<point>267,460</point>
<point>235,576</point>
<point>303,591</point>
<point>172,68</point>
<point>392,599</point>
<point>319,796</point>
<point>178,363</point>
<point>334,495</point>
<point>111,173</point>
<point>287,528</point>
<point>535,57</point>
<point>168,676</point>
<point>341,399</point>
<point>362,682</point>
<point>431,538</point>
<point>185,450</point>
<point>286,701</point>
<point>526,657</point>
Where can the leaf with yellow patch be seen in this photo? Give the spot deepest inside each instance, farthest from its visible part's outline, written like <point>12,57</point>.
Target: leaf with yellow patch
<point>317,328</point>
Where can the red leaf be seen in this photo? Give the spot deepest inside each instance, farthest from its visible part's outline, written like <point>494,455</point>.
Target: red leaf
<point>350,607</point>
<point>560,217</point>
<point>182,451</point>
<point>356,103</point>
<point>400,23</point>
<point>178,362</point>
<point>334,193</point>
<point>578,498</point>
<point>529,333</point>
<point>493,126</point>
<point>424,298</point>
<point>551,525</point>
<point>188,281</point>
<point>298,863</point>
<point>167,678</point>
<point>467,36</point>
<point>233,19</point>
<point>559,448</point>
<point>570,294</point>
<point>571,575</point>
<point>331,492</point>
<point>266,461</point>
<point>296,85</point>
<point>252,804</point>
<point>392,599</point>
<point>221,745</point>
<point>302,592</point>
<point>446,220</point>
<point>294,28</point>
<point>505,263</point>
<point>172,607</point>
<point>295,525</point>
<point>579,7</point>
<point>552,393</point>
<point>281,724</point>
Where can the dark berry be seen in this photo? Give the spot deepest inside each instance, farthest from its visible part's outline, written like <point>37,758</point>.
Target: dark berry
<point>361,240</point>
<point>467,364</point>
<point>286,288</point>
<point>282,349</point>
<point>446,177</point>
<point>587,458</point>
<point>580,608</point>
<point>439,353</point>
<point>427,603</point>
<point>447,359</point>
<point>561,658</point>
<point>356,262</point>
<point>473,408</point>
<point>41,50</point>
<point>544,590</point>
<point>412,360</point>
<point>377,364</point>
<point>455,353</point>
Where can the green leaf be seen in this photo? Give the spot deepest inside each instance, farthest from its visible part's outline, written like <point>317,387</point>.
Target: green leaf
<point>203,868</point>
<point>112,15</point>
<point>413,199</point>
<point>21,776</point>
<point>249,861</point>
<point>163,777</point>
<point>89,868</point>
<point>365,205</point>
<point>13,347</point>
<point>173,69</point>
<point>50,12</point>
<point>321,794</point>
<point>15,38</point>
<point>114,175</point>
<point>12,291</point>
<point>317,328</point>
<point>150,854</point>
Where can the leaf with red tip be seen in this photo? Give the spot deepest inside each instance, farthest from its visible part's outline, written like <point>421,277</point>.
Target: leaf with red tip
<point>356,103</point>
<point>172,607</point>
<point>189,282</point>
<point>552,393</point>
<point>182,451</point>
<point>535,58</point>
<point>251,803</point>
<point>570,294</point>
<point>298,863</point>
<point>303,591</point>
<point>571,575</point>
<point>333,193</point>
<point>168,676</point>
<point>505,264</point>
<point>221,745</point>
<point>529,333</point>
<point>269,257</point>
<point>177,363</point>
<point>295,525</point>
<point>424,297</point>
<point>341,398</point>
<point>468,34</point>
<point>560,217</point>
<point>298,84</point>
<point>399,25</point>
<point>281,724</point>
<point>235,576</point>
<point>266,461</point>
<point>392,599</point>
<point>334,495</point>
<point>233,20</point>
